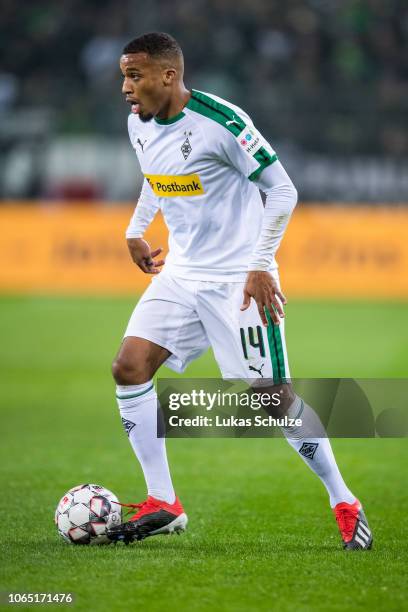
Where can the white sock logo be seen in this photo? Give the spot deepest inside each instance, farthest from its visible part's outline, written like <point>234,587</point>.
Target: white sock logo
<point>308,449</point>
<point>128,425</point>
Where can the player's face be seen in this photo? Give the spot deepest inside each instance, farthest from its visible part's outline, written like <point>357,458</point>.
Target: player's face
<point>144,85</point>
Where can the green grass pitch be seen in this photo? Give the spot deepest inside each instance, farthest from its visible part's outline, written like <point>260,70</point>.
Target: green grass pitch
<point>261,535</point>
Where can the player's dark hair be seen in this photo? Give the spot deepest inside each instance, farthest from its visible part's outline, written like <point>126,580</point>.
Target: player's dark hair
<point>155,44</point>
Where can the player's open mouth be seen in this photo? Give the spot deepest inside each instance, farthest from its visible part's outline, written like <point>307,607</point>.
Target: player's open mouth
<point>135,106</point>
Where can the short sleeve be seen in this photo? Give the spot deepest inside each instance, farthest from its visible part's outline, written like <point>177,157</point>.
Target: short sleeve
<point>232,135</point>
<point>247,150</point>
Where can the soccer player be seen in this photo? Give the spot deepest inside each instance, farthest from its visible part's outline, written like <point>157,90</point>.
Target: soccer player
<point>204,163</point>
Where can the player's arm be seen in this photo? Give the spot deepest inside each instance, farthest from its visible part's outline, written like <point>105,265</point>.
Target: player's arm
<point>139,249</point>
<point>248,151</point>
<point>281,199</point>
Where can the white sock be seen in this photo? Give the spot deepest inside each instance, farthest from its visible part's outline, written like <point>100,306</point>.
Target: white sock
<point>138,409</point>
<point>311,442</point>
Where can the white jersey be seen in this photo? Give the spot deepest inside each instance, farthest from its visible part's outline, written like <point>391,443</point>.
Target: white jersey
<point>201,167</point>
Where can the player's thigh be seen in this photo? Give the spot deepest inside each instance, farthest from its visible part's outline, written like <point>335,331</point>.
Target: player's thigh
<point>242,346</point>
<point>263,349</point>
<point>166,316</point>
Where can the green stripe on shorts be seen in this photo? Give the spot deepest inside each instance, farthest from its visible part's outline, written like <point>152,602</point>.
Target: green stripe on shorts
<point>276,350</point>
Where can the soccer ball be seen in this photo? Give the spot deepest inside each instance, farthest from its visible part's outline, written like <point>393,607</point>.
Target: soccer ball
<point>84,512</point>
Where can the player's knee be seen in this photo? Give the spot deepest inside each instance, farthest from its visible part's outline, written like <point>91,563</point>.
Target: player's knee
<point>126,372</point>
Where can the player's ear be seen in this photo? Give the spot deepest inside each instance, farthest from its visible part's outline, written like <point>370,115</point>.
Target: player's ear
<point>168,76</point>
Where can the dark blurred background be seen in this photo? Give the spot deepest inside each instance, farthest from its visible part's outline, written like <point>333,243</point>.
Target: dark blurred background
<point>326,81</point>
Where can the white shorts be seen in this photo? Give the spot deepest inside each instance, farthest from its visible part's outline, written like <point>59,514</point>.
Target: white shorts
<point>187,317</point>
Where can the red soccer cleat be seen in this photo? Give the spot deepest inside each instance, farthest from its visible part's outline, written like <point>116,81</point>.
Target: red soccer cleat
<point>353,526</point>
<point>153,517</point>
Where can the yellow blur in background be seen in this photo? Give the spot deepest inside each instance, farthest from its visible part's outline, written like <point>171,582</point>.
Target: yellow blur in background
<point>328,251</point>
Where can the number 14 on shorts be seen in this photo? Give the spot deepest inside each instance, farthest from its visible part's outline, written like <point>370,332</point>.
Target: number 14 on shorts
<point>264,351</point>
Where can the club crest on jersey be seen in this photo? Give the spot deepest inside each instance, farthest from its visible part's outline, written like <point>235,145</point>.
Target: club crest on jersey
<point>186,147</point>
<point>308,449</point>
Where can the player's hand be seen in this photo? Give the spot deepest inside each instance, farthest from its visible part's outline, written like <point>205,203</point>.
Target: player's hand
<point>267,294</point>
<point>143,256</point>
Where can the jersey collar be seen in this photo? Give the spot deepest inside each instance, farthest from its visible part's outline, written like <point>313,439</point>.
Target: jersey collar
<point>170,120</point>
